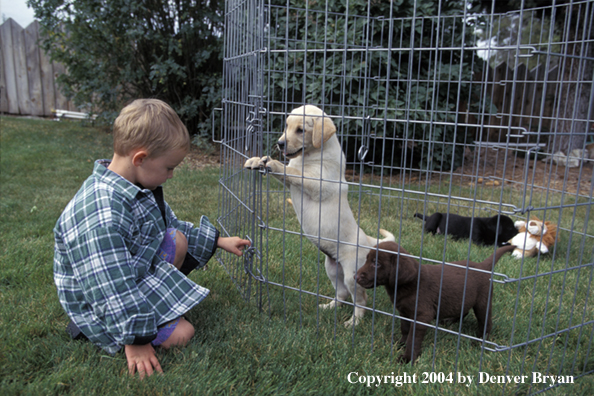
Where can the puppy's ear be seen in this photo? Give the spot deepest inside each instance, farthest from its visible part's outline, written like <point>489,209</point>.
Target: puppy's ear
<point>407,271</point>
<point>323,130</point>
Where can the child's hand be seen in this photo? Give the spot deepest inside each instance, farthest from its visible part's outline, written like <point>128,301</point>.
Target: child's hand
<point>233,245</point>
<point>142,358</point>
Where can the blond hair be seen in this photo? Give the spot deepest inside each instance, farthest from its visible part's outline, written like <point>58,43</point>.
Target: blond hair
<point>150,124</point>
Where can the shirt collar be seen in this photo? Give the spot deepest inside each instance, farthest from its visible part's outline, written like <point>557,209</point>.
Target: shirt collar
<point>115,180</point>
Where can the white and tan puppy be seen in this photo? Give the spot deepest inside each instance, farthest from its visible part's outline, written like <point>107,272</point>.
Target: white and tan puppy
<point>315,177</point>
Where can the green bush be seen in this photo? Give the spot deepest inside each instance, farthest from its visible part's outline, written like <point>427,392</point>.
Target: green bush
<point>398,68</point>
<point>119,50</point>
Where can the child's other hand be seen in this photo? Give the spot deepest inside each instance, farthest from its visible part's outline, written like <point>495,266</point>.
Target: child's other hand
<point>142,358</point>
<point>233,245</point>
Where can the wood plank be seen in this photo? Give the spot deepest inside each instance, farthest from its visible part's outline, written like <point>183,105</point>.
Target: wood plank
<point>517,102</point>
<point>61,101</point>
<point>9,67</point>
<point>47,82</point>
<point>34,68</point>
<point>20,64</point>
<point>3,95</point>
<point>501,96</point>
<point>551,94</point>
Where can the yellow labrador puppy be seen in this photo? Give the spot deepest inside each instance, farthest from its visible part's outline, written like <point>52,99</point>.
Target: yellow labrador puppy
<point>315,177</point>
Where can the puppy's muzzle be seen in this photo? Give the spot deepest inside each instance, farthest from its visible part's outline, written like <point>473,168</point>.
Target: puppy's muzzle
<point>362,279</point>
<point>282,147</point>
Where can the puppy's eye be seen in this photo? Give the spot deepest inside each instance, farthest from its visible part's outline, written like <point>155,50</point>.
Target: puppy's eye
<point>299,130</point>
<point>376,265</point>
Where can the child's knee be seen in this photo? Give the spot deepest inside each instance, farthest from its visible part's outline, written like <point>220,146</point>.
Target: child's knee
<point>188,330</point>
<point>181,248</point>
<point>182,334</point>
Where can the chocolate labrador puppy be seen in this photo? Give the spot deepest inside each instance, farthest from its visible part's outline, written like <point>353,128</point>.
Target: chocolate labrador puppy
<point>383,268</point>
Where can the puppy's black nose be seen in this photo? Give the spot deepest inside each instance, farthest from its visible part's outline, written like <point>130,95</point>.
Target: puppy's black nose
<point>281,145</point>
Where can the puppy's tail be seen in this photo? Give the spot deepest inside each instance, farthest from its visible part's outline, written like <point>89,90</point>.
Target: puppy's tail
<point>388,236</point>
<point>489,263</point>
<point>420,216</point>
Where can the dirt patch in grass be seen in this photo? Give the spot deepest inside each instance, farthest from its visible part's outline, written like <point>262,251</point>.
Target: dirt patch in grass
<point>489,167</point>
<point>496,166</point>
<point>199,158</point>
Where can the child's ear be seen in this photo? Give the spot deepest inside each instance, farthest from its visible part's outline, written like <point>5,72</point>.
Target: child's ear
<point>138,157</point>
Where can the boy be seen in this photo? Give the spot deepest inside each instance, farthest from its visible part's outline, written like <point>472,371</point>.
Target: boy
<point>121,256</point>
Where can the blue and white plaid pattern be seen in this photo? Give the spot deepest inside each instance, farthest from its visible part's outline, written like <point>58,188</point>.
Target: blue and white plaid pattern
<point>109,277</point>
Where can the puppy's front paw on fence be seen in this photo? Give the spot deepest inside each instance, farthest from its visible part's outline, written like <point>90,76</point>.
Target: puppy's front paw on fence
<point>256,163</point>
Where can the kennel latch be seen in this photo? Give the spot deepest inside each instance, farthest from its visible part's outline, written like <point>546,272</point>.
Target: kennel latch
<point>248,262</point>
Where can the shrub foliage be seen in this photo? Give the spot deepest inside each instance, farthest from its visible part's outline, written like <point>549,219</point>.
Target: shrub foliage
<point>398,70</point>
<point>119,50</point>
<point>400,64</point>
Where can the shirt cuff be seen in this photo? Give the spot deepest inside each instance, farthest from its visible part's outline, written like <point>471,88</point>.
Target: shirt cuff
<point>143,340</point>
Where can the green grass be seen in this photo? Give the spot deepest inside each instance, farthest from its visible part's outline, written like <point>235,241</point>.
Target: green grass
<point>290,346</point>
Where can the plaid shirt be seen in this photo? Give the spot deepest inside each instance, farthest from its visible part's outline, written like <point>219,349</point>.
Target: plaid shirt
<point>109,277</point>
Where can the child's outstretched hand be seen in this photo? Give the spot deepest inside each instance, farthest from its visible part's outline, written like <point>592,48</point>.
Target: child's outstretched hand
<point>233,245</point>
<point>142,358</point>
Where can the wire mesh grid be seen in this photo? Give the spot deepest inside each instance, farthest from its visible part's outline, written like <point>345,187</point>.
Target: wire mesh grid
<point>438,109</point>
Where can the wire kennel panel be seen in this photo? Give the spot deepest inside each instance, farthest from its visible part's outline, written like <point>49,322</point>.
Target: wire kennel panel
<point>438,108</point>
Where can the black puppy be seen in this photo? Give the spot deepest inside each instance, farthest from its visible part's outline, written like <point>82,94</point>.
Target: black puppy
<point>484,229</point>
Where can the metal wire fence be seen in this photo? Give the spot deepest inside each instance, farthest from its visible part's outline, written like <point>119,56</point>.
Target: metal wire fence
<point>438,109</point>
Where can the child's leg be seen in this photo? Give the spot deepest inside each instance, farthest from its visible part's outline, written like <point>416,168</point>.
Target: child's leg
<point>182,334</point>
<point>181,248</point>
<point>178,332</point>
<point>174,247</point>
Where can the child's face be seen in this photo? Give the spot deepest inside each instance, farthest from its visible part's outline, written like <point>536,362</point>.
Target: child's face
<point>153,172</point>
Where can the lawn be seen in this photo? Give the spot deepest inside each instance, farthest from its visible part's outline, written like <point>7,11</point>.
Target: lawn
<point>288,348</point>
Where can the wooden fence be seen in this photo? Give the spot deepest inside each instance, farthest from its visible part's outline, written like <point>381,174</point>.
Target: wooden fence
<point>28,77</point>
<point>528,97</point>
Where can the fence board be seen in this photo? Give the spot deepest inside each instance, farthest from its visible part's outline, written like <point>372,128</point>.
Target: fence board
<point>34,69</point>
<point>47,81</point>
<point>20,64</point>
<point>9,67</point>
<point>3,95</point>
<point>61,101</point>
<point>531,100</point>
<point>520,76</point>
